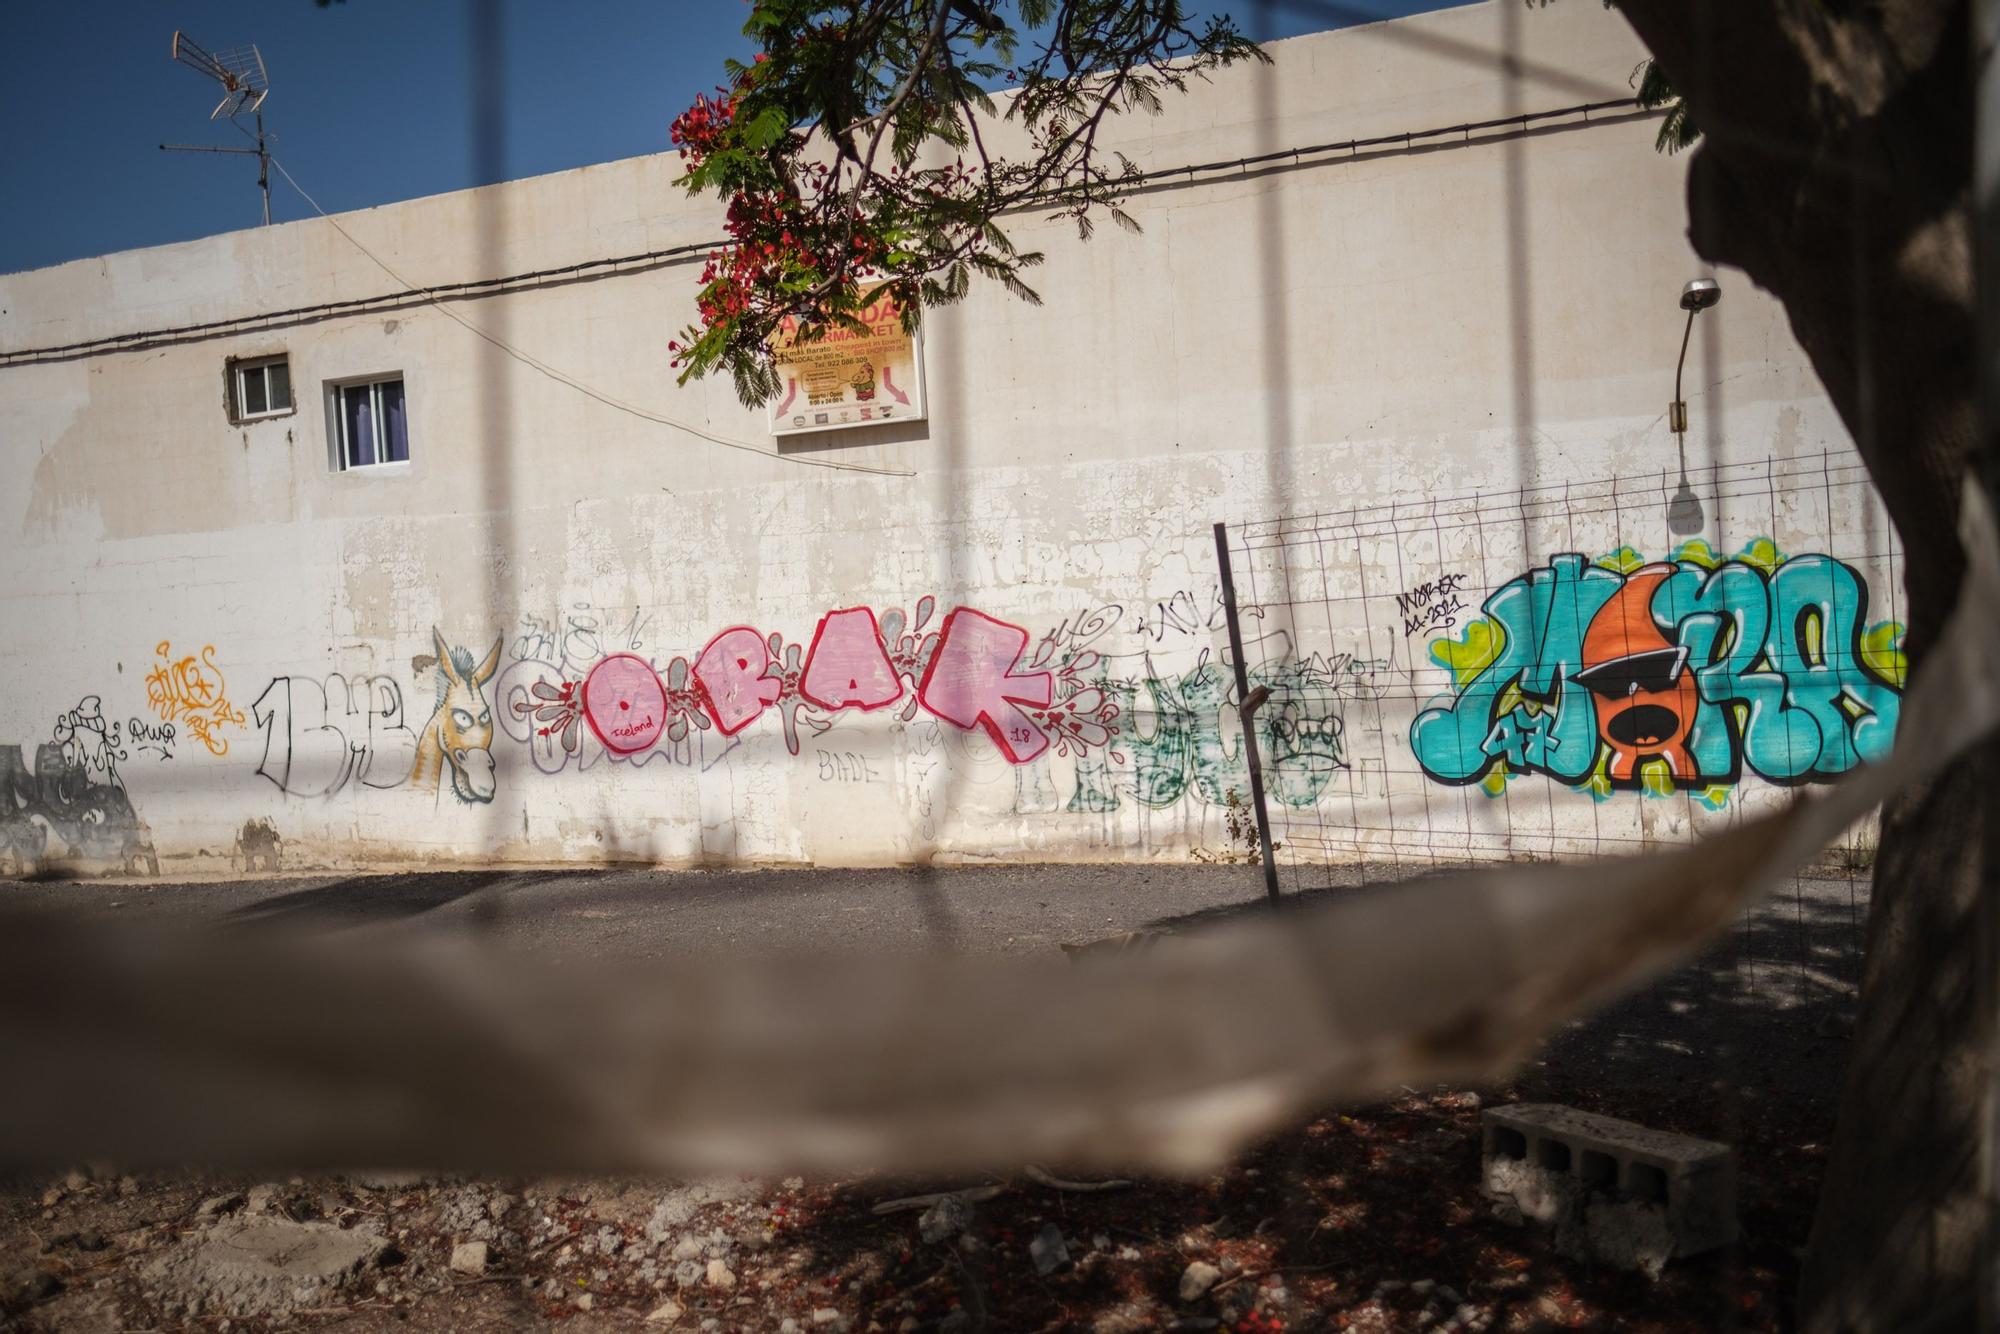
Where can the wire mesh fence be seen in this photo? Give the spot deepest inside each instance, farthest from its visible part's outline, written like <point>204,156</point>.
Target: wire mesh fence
<point>1555,672</point>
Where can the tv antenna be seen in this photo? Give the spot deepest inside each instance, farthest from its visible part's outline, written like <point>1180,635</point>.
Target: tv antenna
<point>240,71</point>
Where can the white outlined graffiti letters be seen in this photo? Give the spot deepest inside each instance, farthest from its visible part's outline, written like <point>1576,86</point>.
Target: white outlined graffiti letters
<point>323,736</point>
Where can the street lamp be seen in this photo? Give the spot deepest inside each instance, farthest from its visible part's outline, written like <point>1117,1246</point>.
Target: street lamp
<point>1684,514</point>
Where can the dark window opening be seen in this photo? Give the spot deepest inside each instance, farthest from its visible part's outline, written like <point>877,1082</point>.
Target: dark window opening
<point>371,424</point>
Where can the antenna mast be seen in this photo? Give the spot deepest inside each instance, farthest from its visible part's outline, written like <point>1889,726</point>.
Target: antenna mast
<point>240,71</point>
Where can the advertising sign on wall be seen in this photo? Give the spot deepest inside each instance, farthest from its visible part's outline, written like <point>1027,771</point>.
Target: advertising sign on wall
<point>849,377</point>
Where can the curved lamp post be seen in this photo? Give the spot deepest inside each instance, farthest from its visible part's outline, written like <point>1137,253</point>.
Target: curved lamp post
<point>1684,514</point>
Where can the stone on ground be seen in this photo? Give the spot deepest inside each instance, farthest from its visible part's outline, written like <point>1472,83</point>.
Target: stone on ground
<point>678,1206</point>
<point>1197,1279</point>
<point>944,1220</point>
<point>469,1257</point>
<point>1048,1250</point>
<point>218,1204</point>
<point>264,1266</point>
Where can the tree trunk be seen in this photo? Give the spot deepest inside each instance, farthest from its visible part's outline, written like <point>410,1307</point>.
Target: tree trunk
<point>1835,169</point>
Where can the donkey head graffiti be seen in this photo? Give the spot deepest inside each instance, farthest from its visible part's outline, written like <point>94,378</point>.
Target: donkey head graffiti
<point>460,732</point>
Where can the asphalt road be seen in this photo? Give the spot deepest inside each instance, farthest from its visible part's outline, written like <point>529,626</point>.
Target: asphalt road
<point>653,913</point>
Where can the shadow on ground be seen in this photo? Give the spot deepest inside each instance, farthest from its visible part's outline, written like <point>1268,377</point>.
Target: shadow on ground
<point>1763,1014</point>
<point>361,899</point>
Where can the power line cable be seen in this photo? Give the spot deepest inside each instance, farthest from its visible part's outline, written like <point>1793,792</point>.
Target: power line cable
<point>1160,177</point>
<point>563,377</point>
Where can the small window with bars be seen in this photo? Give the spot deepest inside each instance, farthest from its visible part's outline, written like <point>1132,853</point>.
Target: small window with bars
<point>369,423</point>
<point>260,387</point>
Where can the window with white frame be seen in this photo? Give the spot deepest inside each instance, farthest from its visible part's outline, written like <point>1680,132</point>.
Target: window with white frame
<point>260,387</point>
<point>369,424</point>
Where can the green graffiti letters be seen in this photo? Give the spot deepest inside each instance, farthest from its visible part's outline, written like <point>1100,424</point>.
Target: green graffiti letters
<point>1180,736</point>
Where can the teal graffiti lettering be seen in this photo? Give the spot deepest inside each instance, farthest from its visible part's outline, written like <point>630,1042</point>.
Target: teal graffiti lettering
<point>1540,619</point>
<point>1754,665</point>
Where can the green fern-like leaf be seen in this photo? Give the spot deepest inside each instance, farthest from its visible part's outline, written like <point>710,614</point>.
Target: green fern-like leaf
<point>1678,130</point>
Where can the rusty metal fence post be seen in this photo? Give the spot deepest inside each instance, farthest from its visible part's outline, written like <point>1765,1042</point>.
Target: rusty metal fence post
<point>1247,705</point>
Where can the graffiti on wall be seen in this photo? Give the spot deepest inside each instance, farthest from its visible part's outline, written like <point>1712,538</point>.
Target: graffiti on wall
<point>459,737</point>
<point>1435,604</point>
<point>144,736</point>
<point>1184,612</point>
<point>967,669</point>
<point>1182,738</point>
<point>1178,735</point>
<point>580,635</point>
<point>1682,674</point>
<point>188,690</point>
<point>846,767</point>
<point>72,803</point>
<point>326,735</point>
<point>89,744</point>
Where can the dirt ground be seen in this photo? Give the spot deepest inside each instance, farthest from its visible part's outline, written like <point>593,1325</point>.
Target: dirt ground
<point>1368,1220</point>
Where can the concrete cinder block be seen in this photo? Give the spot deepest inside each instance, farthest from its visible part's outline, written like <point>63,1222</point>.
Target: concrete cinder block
<point>1613,1191</point>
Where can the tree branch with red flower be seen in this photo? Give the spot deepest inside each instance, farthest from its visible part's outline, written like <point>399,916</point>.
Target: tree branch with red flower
<point>841,152</point>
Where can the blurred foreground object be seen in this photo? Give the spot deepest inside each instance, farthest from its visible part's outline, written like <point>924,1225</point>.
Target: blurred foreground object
<point>242,1051</point>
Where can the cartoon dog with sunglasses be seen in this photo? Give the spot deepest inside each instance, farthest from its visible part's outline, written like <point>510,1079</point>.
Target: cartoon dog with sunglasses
<point>1646,696</point>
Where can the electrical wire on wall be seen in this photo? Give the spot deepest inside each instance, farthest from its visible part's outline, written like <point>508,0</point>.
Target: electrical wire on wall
<point>561,376</point>
<point>1178,176</point>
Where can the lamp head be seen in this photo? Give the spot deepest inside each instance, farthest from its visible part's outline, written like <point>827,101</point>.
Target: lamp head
<point>1700,294</point>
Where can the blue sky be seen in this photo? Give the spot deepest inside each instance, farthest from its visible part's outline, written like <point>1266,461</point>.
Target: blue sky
<point>371,101</point>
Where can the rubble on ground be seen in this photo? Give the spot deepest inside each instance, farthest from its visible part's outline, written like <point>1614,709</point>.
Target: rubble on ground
<point>1368,1220</point>
<point>261,1266</point>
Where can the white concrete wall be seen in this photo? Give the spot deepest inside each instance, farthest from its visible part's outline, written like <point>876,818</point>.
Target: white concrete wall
<point>1402,329</point>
